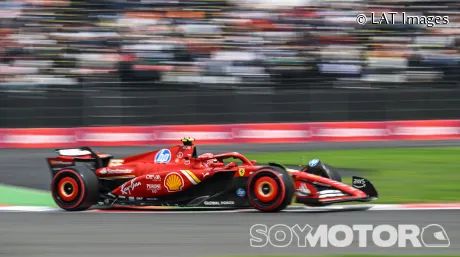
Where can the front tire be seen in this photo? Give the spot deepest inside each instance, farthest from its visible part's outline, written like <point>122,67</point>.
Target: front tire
<point>75,188</point>
<point>270,189</point>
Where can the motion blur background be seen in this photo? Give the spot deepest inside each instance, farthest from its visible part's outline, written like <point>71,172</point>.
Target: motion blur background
<point>110,63</point>
<point>68,63</point>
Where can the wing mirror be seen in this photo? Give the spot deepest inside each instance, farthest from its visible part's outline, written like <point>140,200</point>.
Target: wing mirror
<point>253,162</point>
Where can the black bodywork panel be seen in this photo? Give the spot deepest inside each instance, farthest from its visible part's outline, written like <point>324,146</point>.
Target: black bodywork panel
<point>218,191</point>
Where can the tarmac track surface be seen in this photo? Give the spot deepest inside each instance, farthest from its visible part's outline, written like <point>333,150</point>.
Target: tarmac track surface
<point>196,234</point>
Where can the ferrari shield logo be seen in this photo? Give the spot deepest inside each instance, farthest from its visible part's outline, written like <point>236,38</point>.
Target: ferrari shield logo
<point>241,171</point>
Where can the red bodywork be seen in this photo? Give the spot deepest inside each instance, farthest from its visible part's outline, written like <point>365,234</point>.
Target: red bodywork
<point>178,168</point>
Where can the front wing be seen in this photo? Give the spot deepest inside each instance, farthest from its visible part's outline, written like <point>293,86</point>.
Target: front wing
<point>318,191</point>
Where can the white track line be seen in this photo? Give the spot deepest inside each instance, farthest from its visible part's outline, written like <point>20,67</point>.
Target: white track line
<point>27,209</point>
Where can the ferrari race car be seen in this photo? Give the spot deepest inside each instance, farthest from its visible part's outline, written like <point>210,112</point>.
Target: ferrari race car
<point>178,176</point>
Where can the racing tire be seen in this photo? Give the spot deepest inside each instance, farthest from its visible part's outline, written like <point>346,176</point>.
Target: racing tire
<point>270,189</point>
<point>75,188</point>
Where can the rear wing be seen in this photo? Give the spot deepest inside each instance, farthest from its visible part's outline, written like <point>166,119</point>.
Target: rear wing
<point>71,156</point>
<point>80,152</point>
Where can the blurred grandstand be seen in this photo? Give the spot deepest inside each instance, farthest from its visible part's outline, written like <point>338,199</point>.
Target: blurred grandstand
<point>218,43</point>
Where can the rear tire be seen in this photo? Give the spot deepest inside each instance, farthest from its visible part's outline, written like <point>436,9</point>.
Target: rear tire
<point>75,188</point>
<point>270,189</point>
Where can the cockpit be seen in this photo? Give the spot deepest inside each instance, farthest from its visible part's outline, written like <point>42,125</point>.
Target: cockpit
<point>228,160</point>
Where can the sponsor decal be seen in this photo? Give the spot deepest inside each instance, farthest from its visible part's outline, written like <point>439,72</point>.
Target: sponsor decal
<point>151,199</point>
<point>139,198</point>
<point>53,162</point>
<point>153,177</point>
<point>131,198</point>
<point>115,171</point>
<point>240,192</point>
<point>128,187</point>
<point>359,183</point>
<point>174,182</point>
<point>219,202</point>
<point>313,162</point>
<point>154,187</point>
<point>180,155</point>
<point>122,197</point>
<point>241,171</point>
<point>211,203</point>
<point>163,156</point>
<point>116,162</point>
<point>186,147</point>
<point>119,171</point>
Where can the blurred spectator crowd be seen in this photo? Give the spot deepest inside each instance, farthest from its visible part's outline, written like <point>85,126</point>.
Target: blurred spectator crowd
<point>303,43</point>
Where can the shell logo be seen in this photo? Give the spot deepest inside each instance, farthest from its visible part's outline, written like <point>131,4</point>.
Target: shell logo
<point>174,182</point>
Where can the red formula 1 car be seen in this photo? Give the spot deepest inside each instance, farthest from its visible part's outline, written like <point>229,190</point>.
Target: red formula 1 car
<point>178,176</point>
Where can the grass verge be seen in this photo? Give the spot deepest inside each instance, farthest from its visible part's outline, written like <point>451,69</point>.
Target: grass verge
<point>19,196</point>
